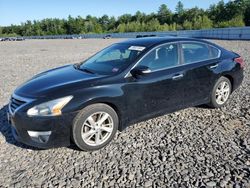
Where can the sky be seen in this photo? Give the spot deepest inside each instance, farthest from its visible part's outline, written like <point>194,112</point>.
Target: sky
<point>18,11</point>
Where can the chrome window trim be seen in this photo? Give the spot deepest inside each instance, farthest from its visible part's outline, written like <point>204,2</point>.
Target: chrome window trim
<point>179,65</point>
<point>24,99</point>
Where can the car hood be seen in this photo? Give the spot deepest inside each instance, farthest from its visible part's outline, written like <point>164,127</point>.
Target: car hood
<point>53,80</point>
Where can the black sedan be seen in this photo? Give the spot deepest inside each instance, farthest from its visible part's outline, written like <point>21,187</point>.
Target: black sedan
<point>125,83</point>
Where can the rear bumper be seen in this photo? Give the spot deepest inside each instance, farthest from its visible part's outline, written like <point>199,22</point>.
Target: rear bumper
<point>42,132</point>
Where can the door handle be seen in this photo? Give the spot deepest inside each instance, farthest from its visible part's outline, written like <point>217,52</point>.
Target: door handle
<point>213,66</point>
<point>178,76</point>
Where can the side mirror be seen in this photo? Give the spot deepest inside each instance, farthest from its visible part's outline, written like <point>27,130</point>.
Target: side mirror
<point>140,71</point>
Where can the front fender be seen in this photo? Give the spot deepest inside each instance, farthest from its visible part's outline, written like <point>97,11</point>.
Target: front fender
<point>108,94</point>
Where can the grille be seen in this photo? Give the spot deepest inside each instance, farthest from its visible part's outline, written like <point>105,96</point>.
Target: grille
<point>15,103</point>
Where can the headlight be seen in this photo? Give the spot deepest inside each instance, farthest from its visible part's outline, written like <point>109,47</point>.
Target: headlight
<point>50,108</point>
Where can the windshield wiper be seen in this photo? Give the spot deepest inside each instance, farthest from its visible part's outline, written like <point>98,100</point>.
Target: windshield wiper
<point>87,70</point>
<point>78,67</point>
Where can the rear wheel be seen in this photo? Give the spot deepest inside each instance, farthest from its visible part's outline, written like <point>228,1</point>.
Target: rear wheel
<point>221,92</point>
<point>94,127</point>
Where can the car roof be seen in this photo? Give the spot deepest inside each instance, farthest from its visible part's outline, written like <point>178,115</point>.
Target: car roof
<point>153,41</point>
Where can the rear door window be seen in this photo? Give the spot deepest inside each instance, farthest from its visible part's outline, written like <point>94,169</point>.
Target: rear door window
<point>195,52</point>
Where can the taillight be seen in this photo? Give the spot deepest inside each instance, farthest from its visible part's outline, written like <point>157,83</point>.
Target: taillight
<point>240,61</point>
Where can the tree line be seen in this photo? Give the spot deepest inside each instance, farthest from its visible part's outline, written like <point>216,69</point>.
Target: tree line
<point>231,14</point>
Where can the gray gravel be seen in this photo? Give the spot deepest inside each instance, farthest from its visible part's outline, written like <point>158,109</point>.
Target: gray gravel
<point>195,147</point>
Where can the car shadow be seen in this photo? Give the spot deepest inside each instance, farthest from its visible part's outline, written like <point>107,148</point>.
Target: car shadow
<point>5,130</point>
<point>72,146</point>
<point>205,106</point>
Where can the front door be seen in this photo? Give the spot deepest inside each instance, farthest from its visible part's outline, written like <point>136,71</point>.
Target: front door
<point>159,91</point>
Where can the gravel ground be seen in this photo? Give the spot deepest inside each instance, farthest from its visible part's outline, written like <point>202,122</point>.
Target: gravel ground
<point>195,147</point>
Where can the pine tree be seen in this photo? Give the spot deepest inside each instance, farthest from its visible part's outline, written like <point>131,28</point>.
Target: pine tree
<point>179,8</point>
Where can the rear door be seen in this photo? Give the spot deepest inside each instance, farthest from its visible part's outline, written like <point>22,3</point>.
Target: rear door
<point>200,62</point>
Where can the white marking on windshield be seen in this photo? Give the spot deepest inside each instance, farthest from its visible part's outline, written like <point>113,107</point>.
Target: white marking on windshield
<point>137,48</point>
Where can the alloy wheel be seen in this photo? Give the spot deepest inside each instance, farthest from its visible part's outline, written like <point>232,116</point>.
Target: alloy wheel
<point>222,92</point>
<point>97,128</point>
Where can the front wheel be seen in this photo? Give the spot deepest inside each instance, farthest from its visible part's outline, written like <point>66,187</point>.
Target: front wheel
<point>94,127</point>
<point>221,92</point>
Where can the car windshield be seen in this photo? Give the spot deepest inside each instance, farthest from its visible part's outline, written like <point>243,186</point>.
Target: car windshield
<point>112,59</point>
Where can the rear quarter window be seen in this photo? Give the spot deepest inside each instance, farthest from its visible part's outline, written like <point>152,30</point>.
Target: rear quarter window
<point>215,53</point>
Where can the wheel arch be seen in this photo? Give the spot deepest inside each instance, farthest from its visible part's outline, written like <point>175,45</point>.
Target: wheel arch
<point>113,105</point>
<point>118,112</point>
<point>231,79</point>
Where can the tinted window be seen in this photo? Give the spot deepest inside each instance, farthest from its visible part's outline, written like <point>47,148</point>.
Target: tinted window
<point>112,59</point>
<point>163,57</point>
<point>195,52</point>
<point>214,52</point>
<point>114,55</point>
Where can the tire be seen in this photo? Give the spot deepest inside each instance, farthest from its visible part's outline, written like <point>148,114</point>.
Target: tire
<point>87,131</point>
<point>215,101</point>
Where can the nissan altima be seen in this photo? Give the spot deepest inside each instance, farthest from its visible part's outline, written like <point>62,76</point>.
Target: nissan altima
<point>125,83</point>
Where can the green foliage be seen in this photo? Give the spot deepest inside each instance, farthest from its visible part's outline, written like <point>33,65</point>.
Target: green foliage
<point>247,17</point>
<point>223,13</point>
<point>232,14</point>
<point>164,14</point>
<point>172,27</point>
<point>235,22</point>
<point>187,25</point>
<point>202,22</point>
<point>247,14</point>
<point>179,8</point>
<point>8,35</point>
<point>136,26</point>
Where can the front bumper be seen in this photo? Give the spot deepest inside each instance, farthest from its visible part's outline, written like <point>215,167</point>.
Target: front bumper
<point>42,132</point>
